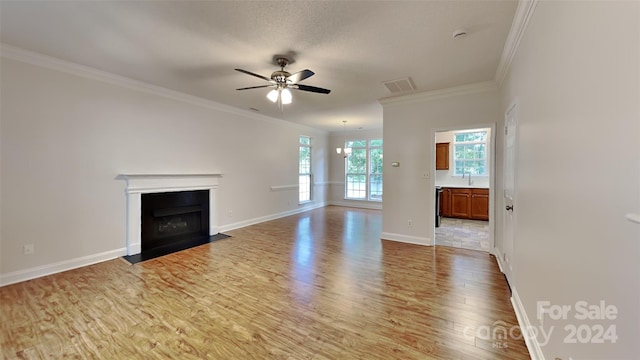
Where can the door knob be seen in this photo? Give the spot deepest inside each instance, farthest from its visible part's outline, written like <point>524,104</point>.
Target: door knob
<point>509,208</point>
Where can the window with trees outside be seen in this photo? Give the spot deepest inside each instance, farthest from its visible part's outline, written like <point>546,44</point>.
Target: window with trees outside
<point>363,170</point>
<point>470,153</point>
<point>304,172</point>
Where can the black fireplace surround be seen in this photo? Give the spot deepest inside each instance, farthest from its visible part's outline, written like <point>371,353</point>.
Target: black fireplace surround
<point>171,218</point>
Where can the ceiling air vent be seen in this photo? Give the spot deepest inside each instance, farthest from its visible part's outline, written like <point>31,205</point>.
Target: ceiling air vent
<point>399,85</point>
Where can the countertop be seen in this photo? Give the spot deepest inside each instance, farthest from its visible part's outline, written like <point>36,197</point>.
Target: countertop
<point>463,186</point>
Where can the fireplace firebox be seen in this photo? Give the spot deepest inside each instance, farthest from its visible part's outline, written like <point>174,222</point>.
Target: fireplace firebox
<point>169,218</point>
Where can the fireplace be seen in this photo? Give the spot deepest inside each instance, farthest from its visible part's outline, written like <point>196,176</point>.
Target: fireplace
<point>172,221</point>
<point>172,217</point>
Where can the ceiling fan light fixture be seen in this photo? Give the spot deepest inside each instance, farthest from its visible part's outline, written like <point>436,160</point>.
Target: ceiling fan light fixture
<point>285,96</point>
<point>273,95</point>
<point>282,82</point>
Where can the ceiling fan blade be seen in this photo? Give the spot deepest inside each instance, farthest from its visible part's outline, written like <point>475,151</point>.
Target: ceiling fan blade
<point>254,74</point>
<point>312,89</point>
<point>255,87</point>
<point>300,75</point>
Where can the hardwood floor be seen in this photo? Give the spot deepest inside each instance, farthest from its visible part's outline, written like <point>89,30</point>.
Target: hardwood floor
<point>317,285</point>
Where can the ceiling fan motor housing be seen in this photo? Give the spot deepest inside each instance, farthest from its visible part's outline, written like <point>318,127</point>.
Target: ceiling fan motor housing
<point>280,76</point>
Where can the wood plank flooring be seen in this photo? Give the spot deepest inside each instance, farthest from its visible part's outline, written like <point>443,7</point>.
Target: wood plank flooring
<point>317,285</point>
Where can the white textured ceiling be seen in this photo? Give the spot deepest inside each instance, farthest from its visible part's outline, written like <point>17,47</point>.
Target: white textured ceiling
<point>194,46</point>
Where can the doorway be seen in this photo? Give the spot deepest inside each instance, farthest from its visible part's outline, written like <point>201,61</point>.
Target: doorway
<point>464,171</point>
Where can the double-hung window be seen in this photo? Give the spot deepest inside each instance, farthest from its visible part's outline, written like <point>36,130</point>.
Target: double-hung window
<point>304,172</point>
<point>363,170</point>
<point>375,169</point>
<point>356,170</point>
<point>470,153</point>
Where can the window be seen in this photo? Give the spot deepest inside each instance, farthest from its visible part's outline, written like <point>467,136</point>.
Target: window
<point>375,170</point>
<point>470,153</point>
<point>363,170</point>
<point>304,172</point>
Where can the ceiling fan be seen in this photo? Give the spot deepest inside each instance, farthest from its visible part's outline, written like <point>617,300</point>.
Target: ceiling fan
<point>282,81</point>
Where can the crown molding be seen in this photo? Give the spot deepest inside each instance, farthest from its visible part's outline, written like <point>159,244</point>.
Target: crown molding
<point>49,62</point>
<point>524,11</point>
<point>441,93</point>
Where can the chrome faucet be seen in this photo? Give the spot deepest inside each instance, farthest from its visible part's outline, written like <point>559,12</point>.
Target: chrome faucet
<point>469,177</point>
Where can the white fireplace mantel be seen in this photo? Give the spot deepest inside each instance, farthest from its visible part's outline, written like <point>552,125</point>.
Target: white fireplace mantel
<point>138,184</point>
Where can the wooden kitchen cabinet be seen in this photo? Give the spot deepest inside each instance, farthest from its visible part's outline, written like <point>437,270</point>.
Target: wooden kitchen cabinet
<point>461,203</point>
<point>442,156</point>
<point>465,203</point>
<point>480,204</point>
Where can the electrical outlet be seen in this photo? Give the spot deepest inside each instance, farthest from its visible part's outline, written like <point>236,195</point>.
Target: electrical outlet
<point>230,213</point>
<point>29,249</point>
<point>425,175</point>
<point>410,223</point>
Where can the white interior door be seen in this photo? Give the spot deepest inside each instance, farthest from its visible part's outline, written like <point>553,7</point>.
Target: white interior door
<point>509,189</point>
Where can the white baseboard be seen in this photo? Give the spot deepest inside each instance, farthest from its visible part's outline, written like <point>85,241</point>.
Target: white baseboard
<point>249,222</point>
<point>44,270</point>
<point>523,320</point>
<point>135,249</point>
<point>406,239</point>
<point>498,254</point>
<point>526,327</point>
<point>357,204</point>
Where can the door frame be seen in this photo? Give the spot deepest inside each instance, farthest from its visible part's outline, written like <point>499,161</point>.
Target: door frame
<point>492,175</point>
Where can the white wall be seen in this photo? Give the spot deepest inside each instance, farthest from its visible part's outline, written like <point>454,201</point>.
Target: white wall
<point>409,138</point>
<point>446,177</point>
<point>576,81</point>
<point>66,137</point>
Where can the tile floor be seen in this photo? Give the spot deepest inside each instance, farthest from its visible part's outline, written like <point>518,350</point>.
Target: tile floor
<point>461,233</point>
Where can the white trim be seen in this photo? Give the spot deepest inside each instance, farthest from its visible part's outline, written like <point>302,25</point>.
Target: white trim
<point>151,183</point>
<point>530,338</point>
<point>361,204</point>
<point>442,93</point>
<point>261,219</point>
<point>37,59</point>
<point>44,270</point>
<point>138,184</point>
<point>284,187</point>
<point>520,21</point>
<point>322,183</point>
<point>417,240</point>
<point>498,254</point>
